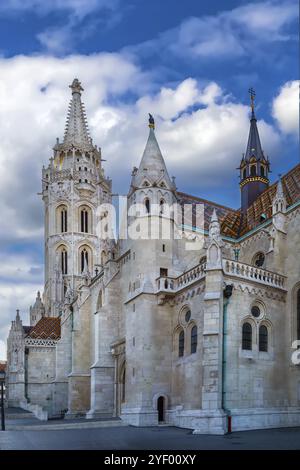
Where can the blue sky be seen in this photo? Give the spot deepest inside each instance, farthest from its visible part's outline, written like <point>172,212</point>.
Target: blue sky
<point>188,63</point>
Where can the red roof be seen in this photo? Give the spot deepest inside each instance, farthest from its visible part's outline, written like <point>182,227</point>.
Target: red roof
<point>2,366</point>
<point>233,223</point>
<point>46,328</point>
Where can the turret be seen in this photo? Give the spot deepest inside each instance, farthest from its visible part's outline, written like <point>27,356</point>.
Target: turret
<point>254,167</point>
<point>37,311</point>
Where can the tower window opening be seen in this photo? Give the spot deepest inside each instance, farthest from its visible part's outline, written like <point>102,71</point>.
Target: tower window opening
<point>84,259</point>
<point>64,220</point>
<point>84,220</point>
<point>262,171</point>
<point>181,344</point>
<point>147,206</point>
<point>64,261</point>
<point>244,173</point>
<point>253,170</point>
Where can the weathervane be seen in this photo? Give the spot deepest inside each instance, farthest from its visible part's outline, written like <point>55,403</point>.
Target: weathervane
<point>252,98</point>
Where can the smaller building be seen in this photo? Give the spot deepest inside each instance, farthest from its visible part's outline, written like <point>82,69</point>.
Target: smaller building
<point>31,357</point>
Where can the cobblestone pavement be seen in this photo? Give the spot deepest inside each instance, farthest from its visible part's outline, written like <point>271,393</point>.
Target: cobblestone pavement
<point>157,438</point>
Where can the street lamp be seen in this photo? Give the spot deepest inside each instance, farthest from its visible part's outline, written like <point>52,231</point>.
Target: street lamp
<point>2,381</point>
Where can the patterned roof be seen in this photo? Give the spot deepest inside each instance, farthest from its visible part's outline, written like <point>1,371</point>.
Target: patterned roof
<point>233,223</point>
<point>2,366</point>
<point>46,328</point>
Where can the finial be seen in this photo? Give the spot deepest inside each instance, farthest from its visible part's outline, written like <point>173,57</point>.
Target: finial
<point>151,121</point>
<point>18,315</point>
<point>76,86</point>
<point>252,98</point>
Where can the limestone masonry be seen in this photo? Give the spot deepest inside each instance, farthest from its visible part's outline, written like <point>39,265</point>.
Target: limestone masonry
<point>197,330</point>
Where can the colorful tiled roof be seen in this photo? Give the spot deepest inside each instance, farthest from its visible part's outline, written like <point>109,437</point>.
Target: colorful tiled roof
<point>233,223</point>
<point>46,328</point>
<point>2,366</point>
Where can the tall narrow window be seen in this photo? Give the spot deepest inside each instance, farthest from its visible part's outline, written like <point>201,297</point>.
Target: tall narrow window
<point>253,170</point>
<point>247,336</point>
<point>298,314</point>
<point>181,344</point>
<point>84,220</point>
<point>84,259</point>
<point>263,338</point>
<point>161,206</point>
<point>64,220</point>
<point>262,170</point>
<point>244,173</point>
<point>64,261</point>
<point>147,206</point>
<point>194,339</point>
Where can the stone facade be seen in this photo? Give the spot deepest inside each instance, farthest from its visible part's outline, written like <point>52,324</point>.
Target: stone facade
<point>195,330</point>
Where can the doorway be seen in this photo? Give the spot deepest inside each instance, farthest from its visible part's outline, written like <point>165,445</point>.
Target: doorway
<point>161,409</point>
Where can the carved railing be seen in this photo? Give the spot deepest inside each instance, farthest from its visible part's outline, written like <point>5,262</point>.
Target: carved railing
<point>175,284</point>
<point>252,273</point>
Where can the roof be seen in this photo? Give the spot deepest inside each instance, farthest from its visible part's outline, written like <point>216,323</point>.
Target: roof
<point>233,223</point>
<point>46,328</point>
<point>254,146</point>
<point>152,166</point>
<point>2,366</point>
<point>77,132</point>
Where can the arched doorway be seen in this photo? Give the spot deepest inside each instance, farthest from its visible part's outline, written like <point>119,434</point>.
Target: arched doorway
<point>161,409</point>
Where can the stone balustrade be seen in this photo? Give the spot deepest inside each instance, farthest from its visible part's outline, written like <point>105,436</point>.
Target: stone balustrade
<point>253,273</point>
<point>175,284</point>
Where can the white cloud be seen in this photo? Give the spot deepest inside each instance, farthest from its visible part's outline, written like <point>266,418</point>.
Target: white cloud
<point>202,133</point>
<point>286,108</point>
<point>229,34</point>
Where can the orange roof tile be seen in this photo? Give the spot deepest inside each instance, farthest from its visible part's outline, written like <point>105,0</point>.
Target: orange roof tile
<point>46,328</point>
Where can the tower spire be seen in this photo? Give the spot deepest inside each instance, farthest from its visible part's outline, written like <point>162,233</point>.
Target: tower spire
<point>76,131</point>
<point>254,166</point>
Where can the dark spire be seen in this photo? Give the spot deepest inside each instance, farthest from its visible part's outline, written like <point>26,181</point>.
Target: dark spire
<point>254,146</point>
<point>254,166</point>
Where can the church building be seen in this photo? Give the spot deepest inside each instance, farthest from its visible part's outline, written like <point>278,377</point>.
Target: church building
<point>196,327</point>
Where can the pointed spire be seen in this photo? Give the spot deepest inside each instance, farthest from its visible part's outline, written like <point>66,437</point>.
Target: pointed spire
<point>152,167</point>
<point>279,190</point>
<point>254,146</point>
<point>77,132</point>
<point>18,316</point>
<point>279,201</point>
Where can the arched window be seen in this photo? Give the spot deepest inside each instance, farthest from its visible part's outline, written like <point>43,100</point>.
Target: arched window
<point>84,220</point>
<point>62,219</point>
<point>247,336</point>
<point>244,173</point>
<point>123,385</point>
<point>263,338</point>
<point>147,205</point>
<point>64,261</point>
<point>253,170</point>
<point>181,344</point>
<point>84,259</point>
<point>194,339</point>
<point>262,170</point>
<point>161,206</point>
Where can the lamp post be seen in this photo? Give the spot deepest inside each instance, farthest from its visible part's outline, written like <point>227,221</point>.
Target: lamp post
<point>2,381</point>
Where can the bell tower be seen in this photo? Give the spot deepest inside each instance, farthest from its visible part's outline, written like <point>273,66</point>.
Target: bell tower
<point>73,187</point>
<point>254,167</point>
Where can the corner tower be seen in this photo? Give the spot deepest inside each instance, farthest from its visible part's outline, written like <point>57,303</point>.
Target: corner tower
<point>254,167</point>
<point>73,187</point>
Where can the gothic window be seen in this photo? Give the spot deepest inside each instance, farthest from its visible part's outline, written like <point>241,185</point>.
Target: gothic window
<point>84,220</point>
<point>64,220</point>
<point>244,173</point>
<point>161,206</point>
<point>253,170</point>
<point>194,339</point>
<point>247,336</point>
<point>259,260</point>
<point>84,259</point>
<point>147,206</point>
<point>263,338</point>
<point>262,171</point>
<point>181,344</point>
<point>64,261</point>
